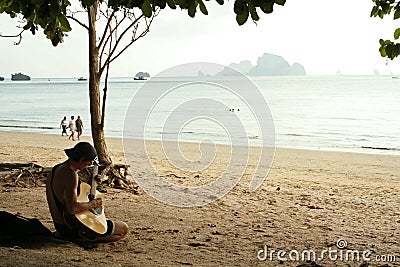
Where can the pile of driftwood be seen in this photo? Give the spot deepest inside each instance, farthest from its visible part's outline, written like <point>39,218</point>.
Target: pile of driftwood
<point>23,174</point>
<point>32,174</point>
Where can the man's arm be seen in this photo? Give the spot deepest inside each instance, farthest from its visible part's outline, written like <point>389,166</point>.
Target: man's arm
<point>71,198</point>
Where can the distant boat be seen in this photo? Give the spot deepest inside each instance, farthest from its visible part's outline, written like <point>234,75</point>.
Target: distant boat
<point>395,77</point>
<point>1,78</point>
<point>20,77</point>
<point>140,78</point>
<point>82,79</point>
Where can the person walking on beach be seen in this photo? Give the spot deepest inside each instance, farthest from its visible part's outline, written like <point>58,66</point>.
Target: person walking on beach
<point>62,189</point>
<point>79,126</point>
<point>63,126</point>
<point>71,126</point>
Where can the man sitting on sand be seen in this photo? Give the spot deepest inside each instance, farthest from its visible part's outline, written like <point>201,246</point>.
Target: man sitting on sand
<point>62,193</point>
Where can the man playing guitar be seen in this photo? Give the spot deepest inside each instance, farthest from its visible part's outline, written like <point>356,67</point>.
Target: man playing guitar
<point>62,188</point>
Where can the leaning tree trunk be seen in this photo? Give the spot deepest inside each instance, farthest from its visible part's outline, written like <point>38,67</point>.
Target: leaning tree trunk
<point>94,91</point>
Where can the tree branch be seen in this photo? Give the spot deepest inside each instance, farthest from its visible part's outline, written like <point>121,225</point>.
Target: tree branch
<point>103,109</point>
<point>148,23</point>
<point>77,21</point>
<point>19,35</point>
<point>134,22</point>
<point>105,28</point>
<point>109,36</point>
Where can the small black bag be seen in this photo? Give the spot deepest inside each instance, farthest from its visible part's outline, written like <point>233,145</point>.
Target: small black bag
<point>15,226</point>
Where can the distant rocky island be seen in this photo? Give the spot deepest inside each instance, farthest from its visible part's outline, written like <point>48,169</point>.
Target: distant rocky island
<point>141,75</point>
<point>267,65</point>
<point>20,77</point>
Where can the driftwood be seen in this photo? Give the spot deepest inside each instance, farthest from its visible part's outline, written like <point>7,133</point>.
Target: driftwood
<point>32,174</point>
<point>23,174</point>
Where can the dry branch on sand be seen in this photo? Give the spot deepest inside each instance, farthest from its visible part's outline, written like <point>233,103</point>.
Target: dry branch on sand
<point>31,175</point>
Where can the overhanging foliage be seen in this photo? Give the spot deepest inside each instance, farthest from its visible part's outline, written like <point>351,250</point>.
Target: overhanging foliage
<point>51,15</point>
<point>388,48</point>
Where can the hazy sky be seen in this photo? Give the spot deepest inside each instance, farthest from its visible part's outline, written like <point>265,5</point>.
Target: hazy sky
<point>324,36</point>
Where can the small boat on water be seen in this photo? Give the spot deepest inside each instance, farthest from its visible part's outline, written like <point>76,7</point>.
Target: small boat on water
<point>139,78</point>
<point>1,78</point>
<point>82,79</point>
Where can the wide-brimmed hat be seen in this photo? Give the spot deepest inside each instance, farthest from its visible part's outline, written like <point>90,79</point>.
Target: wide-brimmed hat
<point>82,150</point>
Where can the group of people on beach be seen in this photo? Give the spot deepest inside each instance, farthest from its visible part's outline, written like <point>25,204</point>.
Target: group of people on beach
<point>73,126</point>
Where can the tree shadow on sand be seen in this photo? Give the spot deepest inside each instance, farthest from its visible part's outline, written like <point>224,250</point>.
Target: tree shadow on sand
<point>19,231</point>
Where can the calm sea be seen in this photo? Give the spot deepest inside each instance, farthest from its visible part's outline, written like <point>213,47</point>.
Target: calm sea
<point>343,113</point>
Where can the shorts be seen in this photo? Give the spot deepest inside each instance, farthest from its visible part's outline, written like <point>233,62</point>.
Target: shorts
<point>68,233</point>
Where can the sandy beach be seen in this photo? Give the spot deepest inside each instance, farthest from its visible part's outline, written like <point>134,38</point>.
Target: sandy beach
<point>309,201</point>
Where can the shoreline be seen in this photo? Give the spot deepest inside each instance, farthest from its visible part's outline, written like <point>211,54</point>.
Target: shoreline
<point>113,141</point>
<point>309,201</point>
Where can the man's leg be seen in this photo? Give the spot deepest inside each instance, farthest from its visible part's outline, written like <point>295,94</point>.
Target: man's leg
<point>121,229</point>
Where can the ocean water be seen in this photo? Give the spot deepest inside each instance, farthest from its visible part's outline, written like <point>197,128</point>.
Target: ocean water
<point>340,113</point>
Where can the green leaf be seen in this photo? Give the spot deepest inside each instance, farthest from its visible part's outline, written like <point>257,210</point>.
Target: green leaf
<point>33,29</point>
<point>171,4</point>
<point>64,24</point>
<point>388,9</point>
<point>185,4</point>
<point>242,18</point>
<point>280,2</point>
<point>192,10</point>
<point>253,12</point>
<point>384,42</point>
<point>374,11</point>
<point>397,33</point>
<point>203,8</point>
<point>146,9</point>
<point>254,15</point>
<point>389,51</point>
<point>381,14</point>
<point>382,51</point>
<point>267,6</point>
<point>221,2</point>
<point>239,7</point>
<point>396,14</point>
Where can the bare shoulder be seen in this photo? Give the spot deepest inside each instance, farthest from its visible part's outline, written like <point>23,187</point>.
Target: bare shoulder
<point>65,176</point>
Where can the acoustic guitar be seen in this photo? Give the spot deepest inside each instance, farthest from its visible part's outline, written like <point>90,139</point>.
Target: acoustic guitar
<point>93,222</point>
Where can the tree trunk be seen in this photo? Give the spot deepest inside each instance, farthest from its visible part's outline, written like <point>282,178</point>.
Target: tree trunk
<point>94,90</point>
